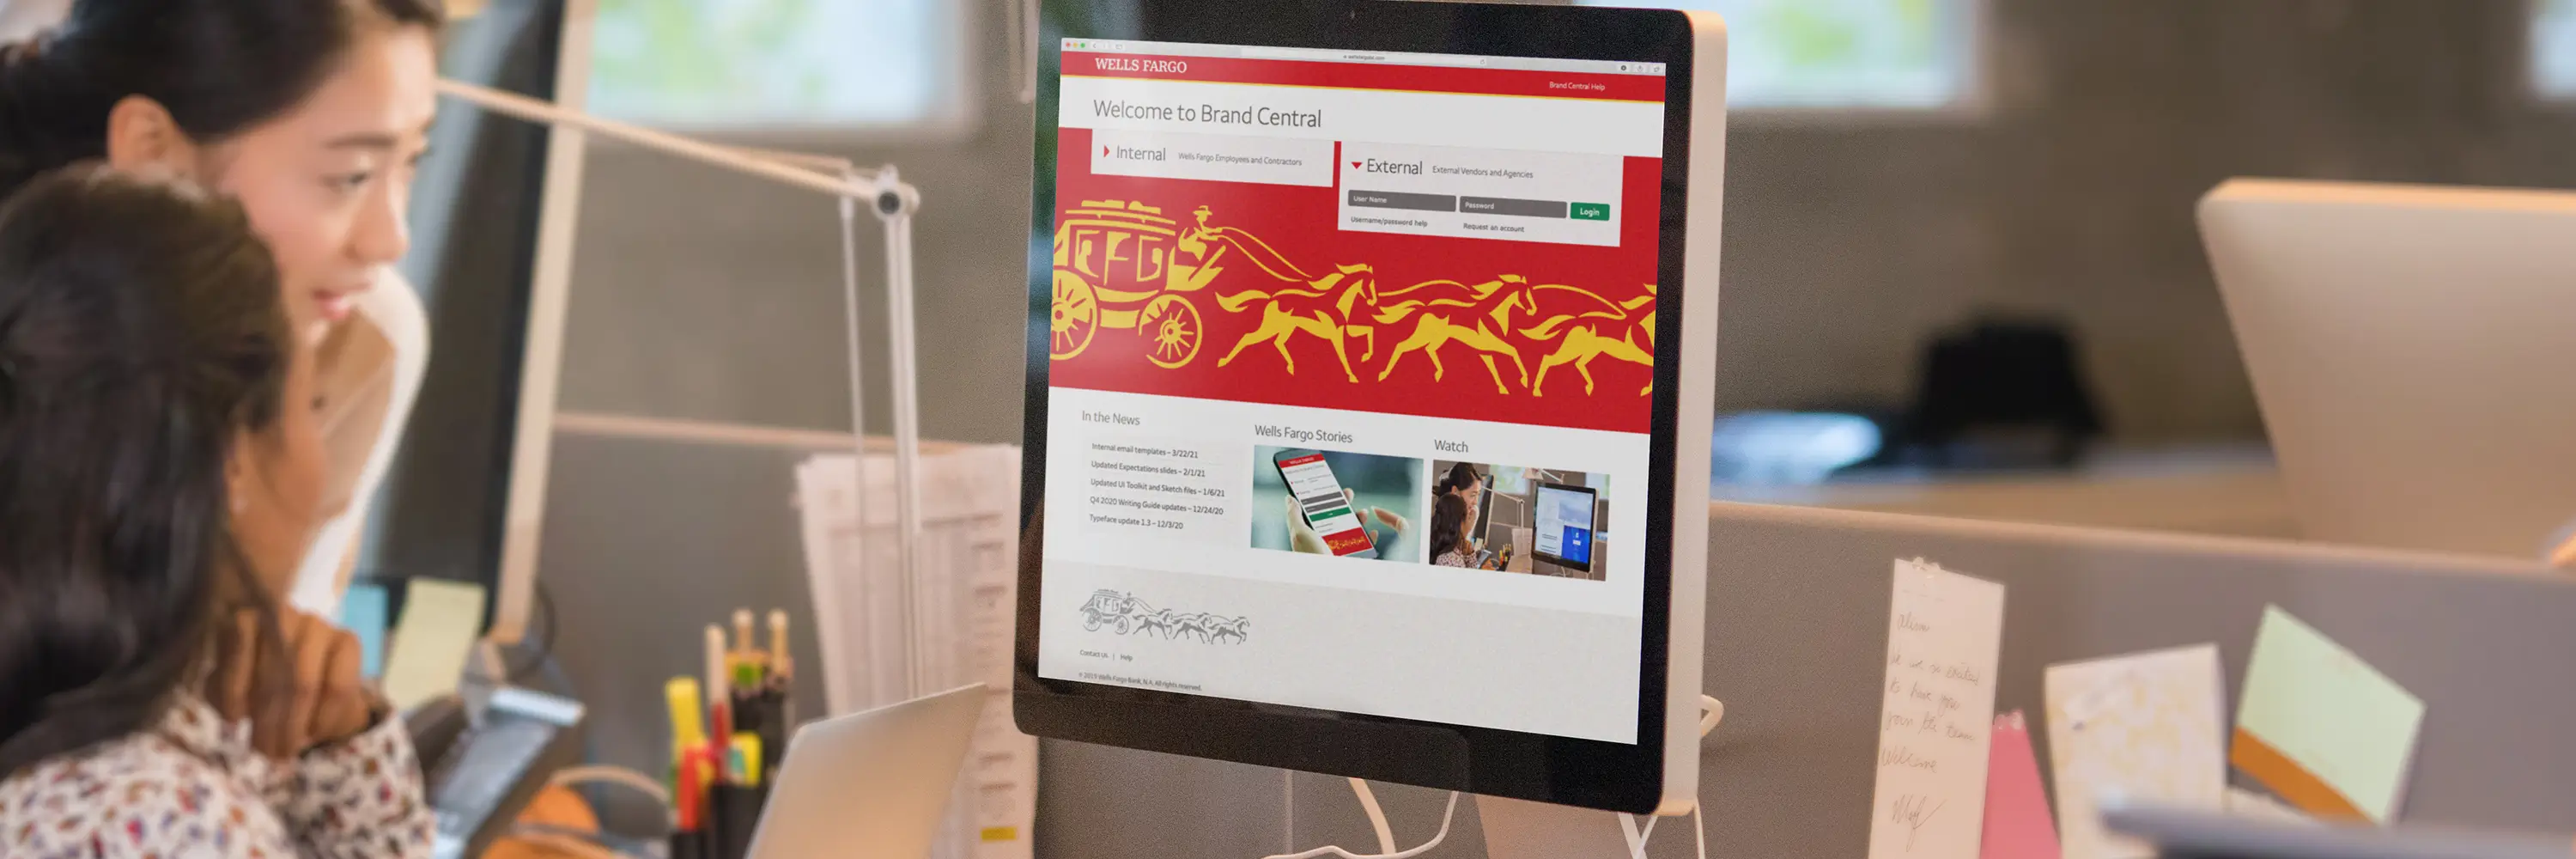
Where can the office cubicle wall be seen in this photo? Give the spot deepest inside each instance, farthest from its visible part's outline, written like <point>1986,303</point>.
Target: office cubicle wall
<point>1797,617</point>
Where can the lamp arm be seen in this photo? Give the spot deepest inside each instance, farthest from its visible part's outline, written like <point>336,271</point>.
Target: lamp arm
<point>893,203</point>
<point>786,168</point>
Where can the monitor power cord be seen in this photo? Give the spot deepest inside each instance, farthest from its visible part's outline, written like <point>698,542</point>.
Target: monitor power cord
<point>1712,711</point>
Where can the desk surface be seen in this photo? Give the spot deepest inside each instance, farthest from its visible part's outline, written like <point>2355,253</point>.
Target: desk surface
<point>2226,491</point>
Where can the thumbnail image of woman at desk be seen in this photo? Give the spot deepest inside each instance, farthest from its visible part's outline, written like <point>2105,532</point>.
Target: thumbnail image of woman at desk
<point>1450,546</point>
<point>311,113</point>
<point>1464,483</point>
<point>159,480</point>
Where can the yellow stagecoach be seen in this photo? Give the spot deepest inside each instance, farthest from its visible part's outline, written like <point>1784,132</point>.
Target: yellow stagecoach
<point>1118,265</point>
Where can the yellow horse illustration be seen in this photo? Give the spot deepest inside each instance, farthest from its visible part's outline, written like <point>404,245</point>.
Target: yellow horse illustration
<point>1324,308</point>
<point>1446,311</point>
<point>1580,336</point>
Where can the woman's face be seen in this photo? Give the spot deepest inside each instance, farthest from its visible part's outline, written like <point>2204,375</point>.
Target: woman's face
<point>277,478</point>
<point>327,184</point>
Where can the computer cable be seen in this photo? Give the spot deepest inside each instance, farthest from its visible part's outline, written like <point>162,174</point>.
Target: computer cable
<point>1385,834</point>
<point>1712,711</point>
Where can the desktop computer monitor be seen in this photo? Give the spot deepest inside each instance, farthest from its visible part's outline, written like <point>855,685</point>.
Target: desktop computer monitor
<point>1562,525</point>
<point>492,216</point>
<point>2409,347</point>
<point>1299,252</point>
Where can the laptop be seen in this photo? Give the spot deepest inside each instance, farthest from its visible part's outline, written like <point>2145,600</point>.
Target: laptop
<point>2182,834</point>
<point>2410,348</point>
<point>870,785</point>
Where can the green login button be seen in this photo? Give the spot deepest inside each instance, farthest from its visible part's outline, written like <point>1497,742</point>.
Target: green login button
<point>1591,211</point>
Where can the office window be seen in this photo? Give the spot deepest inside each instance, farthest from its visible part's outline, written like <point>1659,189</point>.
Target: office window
<point>1864,54</point>
<point>2553,48</point>
<point>757,65</point>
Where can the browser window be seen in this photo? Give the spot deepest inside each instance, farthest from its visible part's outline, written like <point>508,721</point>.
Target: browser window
<point>1326,328</point>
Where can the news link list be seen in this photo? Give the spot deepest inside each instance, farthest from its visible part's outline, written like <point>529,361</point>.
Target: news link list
<point>1156,487</point>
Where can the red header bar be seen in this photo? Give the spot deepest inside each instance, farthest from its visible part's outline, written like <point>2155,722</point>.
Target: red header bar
<point>1368,76</point>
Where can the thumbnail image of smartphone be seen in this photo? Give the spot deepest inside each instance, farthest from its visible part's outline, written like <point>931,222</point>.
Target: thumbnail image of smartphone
<point>1320,499</point>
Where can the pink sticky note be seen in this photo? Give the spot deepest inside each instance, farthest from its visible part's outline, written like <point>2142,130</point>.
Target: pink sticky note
<point>2017,823</point>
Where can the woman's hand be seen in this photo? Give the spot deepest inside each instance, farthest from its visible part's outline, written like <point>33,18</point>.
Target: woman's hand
<point>1302,536</point>
<point>327,702</point>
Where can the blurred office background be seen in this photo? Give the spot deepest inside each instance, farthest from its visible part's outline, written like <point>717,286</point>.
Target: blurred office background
<point>1961,273</point>
<point>1961,266</point>
<point>2016,176</point>
<point>2005,183</point>
<point>1961,270</point>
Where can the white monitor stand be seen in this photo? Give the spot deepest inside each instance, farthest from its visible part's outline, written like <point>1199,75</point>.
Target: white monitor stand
<point>1520,829</point>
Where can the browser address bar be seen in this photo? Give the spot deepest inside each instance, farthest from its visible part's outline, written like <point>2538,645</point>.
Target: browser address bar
<point>1257,52</point>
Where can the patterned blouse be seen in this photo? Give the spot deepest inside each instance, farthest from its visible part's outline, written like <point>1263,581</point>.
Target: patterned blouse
<point>194,787</point>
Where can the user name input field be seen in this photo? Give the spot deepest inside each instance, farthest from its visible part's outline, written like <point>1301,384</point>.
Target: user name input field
<point>1564,198</point>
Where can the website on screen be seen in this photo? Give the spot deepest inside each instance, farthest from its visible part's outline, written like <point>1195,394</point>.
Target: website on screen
<point>1351,381</point>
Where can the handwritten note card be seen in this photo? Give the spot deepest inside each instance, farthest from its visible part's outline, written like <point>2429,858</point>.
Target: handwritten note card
<point>1943,634</point>
<point>2145,727</point>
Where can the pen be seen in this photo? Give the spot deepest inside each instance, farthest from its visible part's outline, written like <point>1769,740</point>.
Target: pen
<point>779,661</point>
<point>782,672</point>
<point>742,766</point>
<point>688,733</point>
<point>719,688</point>
<point>742,633</point>
<point>688,730</point>
<point>685,809</point>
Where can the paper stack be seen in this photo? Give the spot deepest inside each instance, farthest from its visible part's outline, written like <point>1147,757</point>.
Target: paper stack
<point>969,552</point>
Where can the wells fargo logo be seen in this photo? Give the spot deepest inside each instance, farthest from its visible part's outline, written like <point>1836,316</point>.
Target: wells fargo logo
<point>1122,266</point>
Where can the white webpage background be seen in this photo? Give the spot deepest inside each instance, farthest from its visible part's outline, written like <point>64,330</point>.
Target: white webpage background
<point>1514,651</point>
<point>1513,668</point>
<point>1222,545</point>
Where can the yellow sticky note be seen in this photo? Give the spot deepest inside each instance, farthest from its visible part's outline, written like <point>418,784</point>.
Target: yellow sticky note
<point>2321,728</point>
<point>440,621</point>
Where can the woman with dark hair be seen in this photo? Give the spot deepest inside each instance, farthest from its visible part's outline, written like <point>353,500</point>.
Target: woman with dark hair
<point>1449,544</point>
<point>1466,484</point>
<point>311,114</point>
<point>159,478</point>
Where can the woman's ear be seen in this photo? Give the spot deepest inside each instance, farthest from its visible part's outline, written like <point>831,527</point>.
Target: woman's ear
<point>237,474</point>
<point>144,139</point>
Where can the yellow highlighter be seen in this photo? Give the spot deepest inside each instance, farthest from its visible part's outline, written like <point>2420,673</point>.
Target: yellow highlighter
<point>688,727</point>
<point>688,714</point>
<point>742,761</point>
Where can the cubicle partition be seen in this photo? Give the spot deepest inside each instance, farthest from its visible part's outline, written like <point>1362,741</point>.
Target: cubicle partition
<point>1798,601</point>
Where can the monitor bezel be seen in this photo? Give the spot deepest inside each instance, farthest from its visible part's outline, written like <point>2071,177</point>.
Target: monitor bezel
<point>1486,761</point>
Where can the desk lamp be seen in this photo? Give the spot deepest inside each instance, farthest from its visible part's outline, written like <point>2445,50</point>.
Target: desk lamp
<point>891,200</point>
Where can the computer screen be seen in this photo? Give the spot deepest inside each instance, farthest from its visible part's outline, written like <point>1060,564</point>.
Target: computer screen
<point>446,509</point>
<point>1564,527</point>
<point>1286,282</point>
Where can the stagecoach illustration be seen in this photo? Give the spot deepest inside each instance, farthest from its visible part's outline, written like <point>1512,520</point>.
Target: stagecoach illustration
<point>1117,267</point>
<point>1122,265</point>
<point>1127,615</point>
<point>1110,608</point>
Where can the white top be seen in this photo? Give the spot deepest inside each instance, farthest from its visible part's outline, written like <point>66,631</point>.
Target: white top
<point>23,19</point>
<point>371,374</point>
